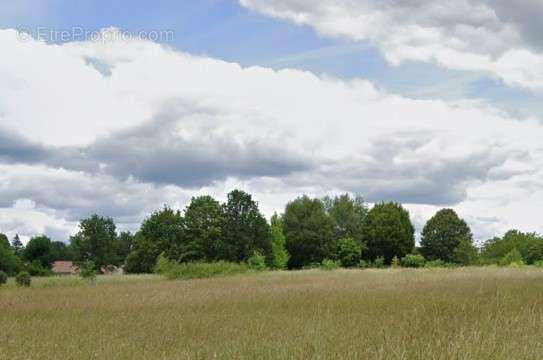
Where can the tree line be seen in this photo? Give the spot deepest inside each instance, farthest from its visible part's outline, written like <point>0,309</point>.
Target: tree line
<point>311,231</point>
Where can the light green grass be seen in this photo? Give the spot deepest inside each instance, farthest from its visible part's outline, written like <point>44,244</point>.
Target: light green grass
<point>473,313</point>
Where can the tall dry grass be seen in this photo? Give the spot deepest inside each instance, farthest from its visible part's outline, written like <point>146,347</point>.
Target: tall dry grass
<point>475,313</point>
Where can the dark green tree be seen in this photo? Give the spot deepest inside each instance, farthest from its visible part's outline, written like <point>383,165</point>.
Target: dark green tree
<point>60,251</point>
<point>96,241</point>
<point>442,234</point>
<point>17,246</point>
<point>349,252</point>
<point>39,249</point>
<point>203,220</point>
<point>309,232</point>
<point>466,253</point>
<point>163,233</point>
<point>245,230</point>
<point>388,232</point>
<point>9,263</point>
<point>125,245</point>
<point>143,258</point>
<point>279,250</point>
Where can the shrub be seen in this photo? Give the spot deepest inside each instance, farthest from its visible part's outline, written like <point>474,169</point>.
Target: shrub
<point>349,252</point>
<point>200,270</point>
<point>328,264</point>
<point>35,268</point>
<point>539,264</point>
<point>436,264</point>
<point>363,264</point>
<point>3,278</point>
<point>88,270</point>
<point>163,264</point>
<point>23,279</point>
<point>379,263</point>
<point>511,257</point>
<point>395,262</point>
<point>413,261</point>
<point>257,261</point>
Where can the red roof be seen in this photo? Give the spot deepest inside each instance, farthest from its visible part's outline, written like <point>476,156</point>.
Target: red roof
<point>63,267</point>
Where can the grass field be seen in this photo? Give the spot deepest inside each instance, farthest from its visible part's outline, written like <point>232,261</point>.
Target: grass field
<point>473,313</point>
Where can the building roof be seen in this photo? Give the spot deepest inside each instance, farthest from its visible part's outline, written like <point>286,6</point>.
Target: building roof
<point>63,267</point>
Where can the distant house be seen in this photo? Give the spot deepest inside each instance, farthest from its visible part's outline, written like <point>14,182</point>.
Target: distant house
<point>64,268</point>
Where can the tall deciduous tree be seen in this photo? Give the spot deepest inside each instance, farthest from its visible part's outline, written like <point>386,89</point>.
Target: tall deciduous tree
<point>96,241</point>
<point>442,234</point>
<point>309,232</point>
<point>348,215</point>
<point>388,232</point>
<point>162,232</point>
<point>245,229</point>
<point>9,263</point>
<point>280,253</point>
<point>39,249</point>
<point>203,222</point>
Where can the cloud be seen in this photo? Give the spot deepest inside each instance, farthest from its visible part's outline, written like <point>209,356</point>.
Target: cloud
<point>496,37</point>
<point>160,126</point>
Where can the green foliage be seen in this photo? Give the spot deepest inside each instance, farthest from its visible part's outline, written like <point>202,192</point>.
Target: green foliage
<point>412,261</point>
<point>39,249</point>
<point>378,263</point>
<point>309,232</point>
<point>9,263</point>
<point>35,268</point>
<point>163,265</point>
<point>328,264</point>
<point>347,215</point>
<point>87,270</point>
<point>124,246</point>
<point>349,252</point>
<point>96,241</point>
<point>363,264</point>
<point>442,234</point>
<point>436,264</point>
<point>245,229</point>
<point>23,279</point>
<point>203,222</point>
<point>534,253</point>
<point>3,278</point>
<point>143,258</point>
<point>395,262</point>
<point>279,251</point>
<point>17,246</point>
<point>513,257</point>
<point>465,253</point>
<point>388,232</point>
<point>200,270</point>
<point>257,262</point>
<point>526,243</point>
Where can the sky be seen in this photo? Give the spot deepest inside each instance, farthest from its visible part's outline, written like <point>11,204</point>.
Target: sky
<point>119,108</point>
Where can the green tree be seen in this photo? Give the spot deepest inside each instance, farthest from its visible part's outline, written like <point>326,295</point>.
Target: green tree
<point>96,241</point>
<point>309,232</point>
<point>9,263</point>
<point>245,229</point>
<point>512,257</point>
<point>388,232</point>
<point>465,253</point>
<point>349,252</point>
<point>60,251</point>
<point>203,222</point>
<point>39,249</point>
<point>143,258</point>
<point>442,234</point>
<point>17,246</point>
<point>348,215</point>
<point>495,249</point>
<point>280,253</point>
<point>125,245</point>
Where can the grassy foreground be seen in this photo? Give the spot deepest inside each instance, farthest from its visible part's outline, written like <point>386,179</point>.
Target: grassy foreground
<point>480,313</point>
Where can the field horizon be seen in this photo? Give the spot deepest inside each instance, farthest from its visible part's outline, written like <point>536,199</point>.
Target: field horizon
<point>465,313</point>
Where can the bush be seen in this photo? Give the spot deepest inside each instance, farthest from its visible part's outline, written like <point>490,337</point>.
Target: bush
<point>163,264</point>
<point>349,252</point>
<point>379,263</point>
<point>23,279</point>
<point>35,268</point>
<point>539,264</point>
<point>395,262</point>
<point>88,270</point>
<point>436,264</point>
<point>200,270</point>
<point>363,264</point>
<point>3,278</point>
<point>413,261</point>
<point>328,264</point>
<point>511,257</point>
<point>257,261</point>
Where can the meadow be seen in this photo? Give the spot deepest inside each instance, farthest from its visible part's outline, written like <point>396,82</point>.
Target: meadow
<point>464,313</point>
